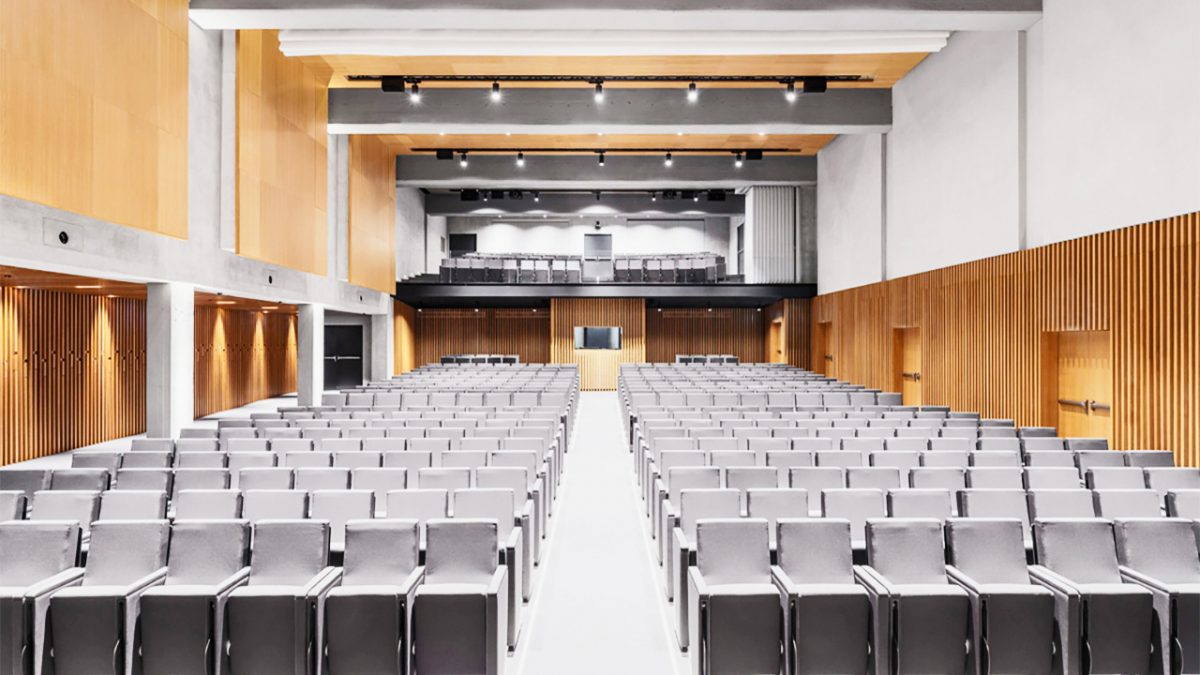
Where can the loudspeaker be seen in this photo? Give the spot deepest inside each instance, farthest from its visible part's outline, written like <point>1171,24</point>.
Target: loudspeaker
<point>754,155</point>
<point>445,154</point>
<point>392,84</point>
<point>816,85</point>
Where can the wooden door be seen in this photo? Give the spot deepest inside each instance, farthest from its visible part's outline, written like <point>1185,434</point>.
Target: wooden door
<point>906,360</point>
<point>775,352</point>
<point>823,349</point>
<point>1082,383</point>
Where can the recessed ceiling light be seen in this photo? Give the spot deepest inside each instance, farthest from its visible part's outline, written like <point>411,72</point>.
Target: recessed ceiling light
<point>520,159</point>
<point>88,287</point>
<point>668,160</point>
<point>599,95</point>
<point>496,91</point>
<point>693,94</point>
<point>414,93</point>
<point>790,92</point>
<point>226,302</point>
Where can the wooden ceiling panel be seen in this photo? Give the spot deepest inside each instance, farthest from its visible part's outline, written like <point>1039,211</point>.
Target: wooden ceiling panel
<point>21,278</point>
<point>798,144</point>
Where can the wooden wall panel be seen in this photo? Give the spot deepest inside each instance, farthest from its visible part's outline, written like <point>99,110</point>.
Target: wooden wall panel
<point>281,155</point>
<point>372,197</point>
<point>242,356</point>
<point>94,108</point>
<point>982,325</point>
<point>438,332</point>
<point>405,344</point>
<point>72,371</point>
<point>598,369</point>
<point>796,315</point>
<point>737,331</point>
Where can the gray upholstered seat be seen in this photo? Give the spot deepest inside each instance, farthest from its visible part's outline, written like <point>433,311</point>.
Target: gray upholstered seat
<point>694,505</point>
<point>499,504</point>
<point>997,504</point>
<point>1012,619</point>
<point>133,505</point>
<point>1075,503</point>
<point>37,559</point>
<point>339,507</point>
<point>208,505</point>
<point>438,478</point>
<point>80,479</point>
<point>920,503</point>
<point>526,511</point>
<point>12,505</point>
<point>815,480</point>
<point>421,505</point>
<point>274,505</point>
<point>736,618</point>
<point>1184,504</point>
<point>856,505</point>
<point>1126,503</point>
<point>183,621</point>
<point>81,506</point>
<point>773,504</point>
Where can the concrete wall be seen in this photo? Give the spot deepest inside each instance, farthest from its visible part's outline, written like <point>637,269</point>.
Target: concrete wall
<point>631,236</point>
<point>435,234</point>
<point>1006,140</point>
<point>410,232</point>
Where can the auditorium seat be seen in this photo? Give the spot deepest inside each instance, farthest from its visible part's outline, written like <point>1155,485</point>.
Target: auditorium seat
<point>1115,478</point>
<point>1145,458</point>
<point>1057,504</point>
<point>148,459</point>
<point>421,505</point>
<point>93,626</point>
<point>36,561</point>
<point>499,504</point>
<point>736,619</point>
<point>12,505</point>
<point>856,505</point>
<point>81,506</point>
<point>272,625</point>
<point>80,479</point>
<point>26,481</point>
<point>694,505</point>
<point>337,507</point>
<point>183,620</point>
<point>259,505</point>
<point>920,503</point>
<point>1126,503</point>
<point>133,505</point>
<point>1183,504</point>
<point>1012,618</point>
<point>207,505</point>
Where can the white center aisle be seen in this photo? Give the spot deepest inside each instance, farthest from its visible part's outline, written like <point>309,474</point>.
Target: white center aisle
<point>599,608</point>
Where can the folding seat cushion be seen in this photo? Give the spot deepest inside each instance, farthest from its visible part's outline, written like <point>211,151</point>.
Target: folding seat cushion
<point>828,615</point>
<point>26,481</point>
<point>421,505</point>
<point>876,477</point>
<point>815,480</point>
<point>462,605</point>
<point>1143,458</point>
<point>1012,618</point>
<point>774,504</point>
<point>997,478</point>
<point>272,625</point>
<point>96,459</point>
<point>920,503</point>
<point>133,505</point>
<point>918,612</point>
<point>79,479</point>
<point>266,478</point>
<point>856,505</point>
<point>152,445</point>
<point>81,506</point>
<point>1126,503</point>
<point>322,478</point>
<point>991,503</point>
<point>995,458</point>
<point>1160,555</point>
<point>12,505</point>
<point>183,621</point>
<point>208,505</point>
<point>1183,504</point>
<point>337,507</point>
<point>93,626</point>
<point>694,505</point>
<point>499,504</point>
<point>1104,622</point>
<point>274,505</point>
<point>36,561</point>
<point>737,616</point>
<point>444,479</point>
<point>147,460</point>
<point>367,627</point>
<point>199,479</point>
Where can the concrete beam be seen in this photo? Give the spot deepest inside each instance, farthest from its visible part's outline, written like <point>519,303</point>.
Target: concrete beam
<point>620,172</point>
<point>623,111</point>
<point>668,15</point>
<point>569,204</point>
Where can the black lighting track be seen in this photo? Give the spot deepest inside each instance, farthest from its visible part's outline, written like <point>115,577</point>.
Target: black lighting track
<point>606,79</point>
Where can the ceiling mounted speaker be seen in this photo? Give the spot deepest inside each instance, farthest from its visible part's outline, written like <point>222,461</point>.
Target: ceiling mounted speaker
<point>754,155</point>
<point>688,194</point>
<point>392,84</point>
<point>716,195</point>
<point>816,85</point>
<point>469,195</point>
<point>445,154</point>
<point>516,194</point>
<point>497,194</point>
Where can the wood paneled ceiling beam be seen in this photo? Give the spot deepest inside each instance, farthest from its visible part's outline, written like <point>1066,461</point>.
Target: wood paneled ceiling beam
<point>623,111</point>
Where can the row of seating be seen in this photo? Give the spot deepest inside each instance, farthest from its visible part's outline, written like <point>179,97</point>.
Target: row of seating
<point>522,268</point>
<point>207,597</point>
<point>707,358</point>
<point>490,359</point>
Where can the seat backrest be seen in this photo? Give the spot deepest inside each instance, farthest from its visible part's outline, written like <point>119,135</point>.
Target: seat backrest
<point>30,552</point>
<point>989,550</point>
<point>12,505</point>
<point>122,552</point>
<point>996,458</point>
<point>816,550</point>
<point>773,504</point>
<point>752,477</point>
<point>1126,503</point>
<point>379,480</point>
<point>920,503</point>
<point>322,478</point>
<point>1000,478</point>
<point>79,479</point>
<point>82,506</point>
<point>1143,458</point>
<point>733,550</point>
<point>483,503</point>
<point>380,552</point>
<point>817,478</point>
<point>854,504</point>
<point>444,479</point>
<point>205,552</point>
<point>938,477</point>
<point>1116,478</point>
<point>877,477</point>
<point>985,503</point>
<point>133,505</point>
<point>461,551</point>
<point>1051,478</point>
<point>266,478</point>
<point>706,503</point>
<point>260,505</point>
<point>1080,549</point>
<point>907,550</point>
<point>208,504</point>
<point>1075,503</point>
<point>959,459</point>
<point>514,478</point>
<point>691,478</point>
<point>1184,504</point>
<point>340,506</point>
<point>421,505</point>
<point>288,552</point>
<point>1162,548</point>
<point>152,445</point>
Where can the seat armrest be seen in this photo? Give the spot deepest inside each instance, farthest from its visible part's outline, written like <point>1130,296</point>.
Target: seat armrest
<point>238,578</point>
<point>499,582</point>
<point>514,538</point>
<point>323,582</point>
<point>1131,575</point>
<point>782,580</point>
<point>1052,580</point>
<point>414,579</point>
<point>962,579</point>
<point>155,578</point>
<point>54,584</point>
<point>696,582</point>
<point>869,578</point>
<point>526,512</point>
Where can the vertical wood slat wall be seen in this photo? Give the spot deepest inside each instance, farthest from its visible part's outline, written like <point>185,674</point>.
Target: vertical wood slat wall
<point>598,368</point>
<point>434,333</point>
<point>242,356</point>
<point>982,324</point>
<point>72,371</point>
<point>737,331</point>
<point>796,315</point>
<point>405,345</point>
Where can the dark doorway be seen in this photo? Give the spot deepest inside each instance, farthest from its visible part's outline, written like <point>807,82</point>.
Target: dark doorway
<point>461,244</point>
<point>343,356</point>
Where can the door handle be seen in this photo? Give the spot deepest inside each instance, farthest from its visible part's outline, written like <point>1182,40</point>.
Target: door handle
<point>1107,407</point>
<point>915,377</point>
<point>1073,403</point>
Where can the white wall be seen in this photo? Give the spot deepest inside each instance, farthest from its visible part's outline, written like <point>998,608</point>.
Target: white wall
<point>850,212</point>
<point>435,233</point>
<point>410,232</point>
<point>565,237</point>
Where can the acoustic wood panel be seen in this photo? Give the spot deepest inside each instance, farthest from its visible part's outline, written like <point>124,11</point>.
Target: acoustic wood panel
<point>372,214</point>
<point>94,108</point>
<point>72,370</point>
<point>282,176</point>
<point>736,331</point>
<point>982,326</point>
<point>598,368</point>
<point>405,344</point>
<point>799,144</point>
<point>439,332</point>
<point>796,316</point>
<point>241,357</point>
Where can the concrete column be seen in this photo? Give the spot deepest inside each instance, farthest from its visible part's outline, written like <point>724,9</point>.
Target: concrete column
<point>310,361</point>
<point>383,353</point>
<point>170,352</point>
<point>338,225</point>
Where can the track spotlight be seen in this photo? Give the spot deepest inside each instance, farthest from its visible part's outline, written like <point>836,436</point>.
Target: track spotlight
<point>597,195</point>
<point>653,196</point>
<point>737,160</point>
<point>495,91</point>
<point>414,92</point>
<point>462,159</point>
<point>520,159</point>
<point>599,95</point>
<point>696,197</point>
<point>601,158</point>
<point>790,94</point>
<point>816,85</point>
<point>537,196</point>
<point>667,162</point>
<point>487,195</point>
<point>693,94</point>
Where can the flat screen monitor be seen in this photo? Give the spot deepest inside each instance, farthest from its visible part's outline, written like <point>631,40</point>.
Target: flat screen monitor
<point>597,337</point>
